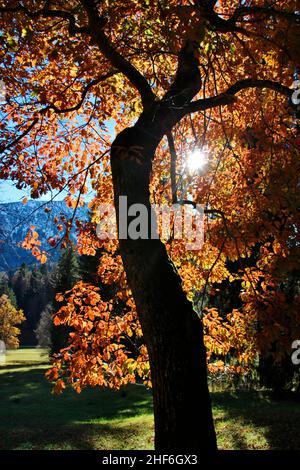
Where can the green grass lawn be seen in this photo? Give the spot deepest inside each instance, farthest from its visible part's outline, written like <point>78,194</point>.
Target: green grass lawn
<point>32,418</point>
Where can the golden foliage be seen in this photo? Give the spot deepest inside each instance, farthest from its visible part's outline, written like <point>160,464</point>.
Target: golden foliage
<point>9,318</point>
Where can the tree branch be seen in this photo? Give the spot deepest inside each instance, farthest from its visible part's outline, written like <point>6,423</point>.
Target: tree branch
<point>17,139</point>
<point>206,8</point>
<point>83,95</point>
<point>173,157</point>
<point>244,11</point>
<point>187,82</point>
<point>229,95</point>
<point>96,25</point>
<point>47,13</point>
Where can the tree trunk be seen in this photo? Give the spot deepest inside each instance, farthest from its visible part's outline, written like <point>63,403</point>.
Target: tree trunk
<point>172,330</point>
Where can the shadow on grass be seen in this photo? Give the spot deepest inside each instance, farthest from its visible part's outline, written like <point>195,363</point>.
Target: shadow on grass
<point>31,415</point>
<point>32,418</point>
<point>278,422</point>
<point>101,436</point>
<point>22,365</point>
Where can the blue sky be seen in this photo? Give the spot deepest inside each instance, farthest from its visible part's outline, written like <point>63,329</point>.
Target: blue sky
<point>9,193</point>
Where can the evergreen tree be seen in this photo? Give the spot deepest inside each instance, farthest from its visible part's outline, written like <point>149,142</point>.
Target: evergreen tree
<point>88,266</point>
<point>33,291</point>
<point>20,283</point>
<point>7,290</point>
<point>63,278</point>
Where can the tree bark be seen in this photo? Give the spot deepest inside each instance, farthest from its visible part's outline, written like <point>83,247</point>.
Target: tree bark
<point>172,330</point>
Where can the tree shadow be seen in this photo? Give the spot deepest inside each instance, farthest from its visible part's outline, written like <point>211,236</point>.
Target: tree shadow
<point>31,414</point>
<point>278,420</point>
<point>100,436</point>
<point>22,365</point>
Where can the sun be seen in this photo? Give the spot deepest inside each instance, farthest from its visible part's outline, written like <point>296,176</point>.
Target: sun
<point>197,160</point>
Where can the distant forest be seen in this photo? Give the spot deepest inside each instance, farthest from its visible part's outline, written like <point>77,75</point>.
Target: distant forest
<point>32,288</point>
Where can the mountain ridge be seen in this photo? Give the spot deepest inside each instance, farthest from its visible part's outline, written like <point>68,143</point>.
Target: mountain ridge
<point>16,218</point>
